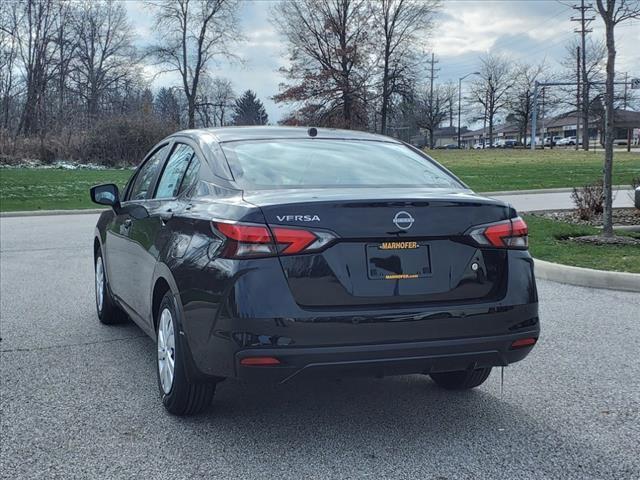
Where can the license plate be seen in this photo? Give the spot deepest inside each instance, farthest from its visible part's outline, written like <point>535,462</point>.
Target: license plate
<point>398,260</point>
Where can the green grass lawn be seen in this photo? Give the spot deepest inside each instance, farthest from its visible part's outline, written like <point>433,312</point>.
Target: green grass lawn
<point>482,170</point>
<point>51,189</point>
<point>494,170</point>
<point>545,243</point>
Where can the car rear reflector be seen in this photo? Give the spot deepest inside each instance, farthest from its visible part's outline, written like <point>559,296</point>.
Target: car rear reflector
<point>251,240</point>
<point>259,361</point>
<point>524,342</point>
<point>512,233</point>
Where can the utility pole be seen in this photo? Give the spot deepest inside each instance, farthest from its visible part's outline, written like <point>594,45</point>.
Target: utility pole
<point>542,122</point>
<point>432,77</point>
<point>626,84</point>
<point>584,23</point>
<point>578,99</point>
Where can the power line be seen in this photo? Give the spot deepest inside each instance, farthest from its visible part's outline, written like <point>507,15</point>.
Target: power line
<point>583,30</point>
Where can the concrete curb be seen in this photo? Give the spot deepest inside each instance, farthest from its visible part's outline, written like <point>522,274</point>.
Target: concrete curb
<point>587,277</point>
<point>43,213</point>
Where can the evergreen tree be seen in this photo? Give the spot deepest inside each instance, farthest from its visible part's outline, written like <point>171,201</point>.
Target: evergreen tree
<point>249,110</point>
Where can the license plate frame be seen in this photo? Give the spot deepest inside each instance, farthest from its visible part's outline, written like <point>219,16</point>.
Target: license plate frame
<point>398,260</point>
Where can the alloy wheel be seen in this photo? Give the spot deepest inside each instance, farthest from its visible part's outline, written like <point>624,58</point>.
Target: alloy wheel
<point>99,284</point>
<point>166,350</point>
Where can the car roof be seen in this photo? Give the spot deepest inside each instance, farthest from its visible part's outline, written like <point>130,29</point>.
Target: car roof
<point>234,134</point>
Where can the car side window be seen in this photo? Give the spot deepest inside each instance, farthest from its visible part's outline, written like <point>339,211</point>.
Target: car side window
<point>174,170</point>
<point>191,175</point>
<point>147,173</point>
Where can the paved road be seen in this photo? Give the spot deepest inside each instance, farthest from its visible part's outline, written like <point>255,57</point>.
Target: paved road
<point>531,202</point>
<point>79,399</point>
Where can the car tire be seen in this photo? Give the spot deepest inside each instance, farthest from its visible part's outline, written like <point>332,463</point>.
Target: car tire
<point>108,312</point>
<point>180,396</point>
<point>461,380</point>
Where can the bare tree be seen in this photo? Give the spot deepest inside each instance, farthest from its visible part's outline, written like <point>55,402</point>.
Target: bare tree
<point>216,99</point>
<point>491,90</point>
<point>401,25</point>
<point>595,60</point>
<point>330,61</point>
<point>104,52</point>
<point>66,44</point>
<point>431,110</point>
<point>520,101</point>
<point>612,12</point>
<point>451,96</point>
<point>194,33</point>
<point>34,25</point>
<point>8,54</point>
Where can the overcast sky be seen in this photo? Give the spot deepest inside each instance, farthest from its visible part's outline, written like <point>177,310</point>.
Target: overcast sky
<point>525,30</point>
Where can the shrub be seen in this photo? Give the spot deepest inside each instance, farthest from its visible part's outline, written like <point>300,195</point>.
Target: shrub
<point>589,200</point>
<point>123,140</point>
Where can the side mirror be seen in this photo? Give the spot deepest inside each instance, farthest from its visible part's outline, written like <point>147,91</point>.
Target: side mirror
<point>106,194</point>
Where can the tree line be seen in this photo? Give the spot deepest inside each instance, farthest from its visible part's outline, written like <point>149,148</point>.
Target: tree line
<point>75,85</point>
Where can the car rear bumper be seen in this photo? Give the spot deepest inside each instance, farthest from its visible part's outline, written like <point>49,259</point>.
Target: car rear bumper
<point>386,359</point>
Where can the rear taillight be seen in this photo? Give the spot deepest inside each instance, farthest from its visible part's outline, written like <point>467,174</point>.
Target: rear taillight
<point>512,233</point>
<point>249,240</point>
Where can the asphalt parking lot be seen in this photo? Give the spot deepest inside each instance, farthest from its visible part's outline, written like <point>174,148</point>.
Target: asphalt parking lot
<point>79,399</point>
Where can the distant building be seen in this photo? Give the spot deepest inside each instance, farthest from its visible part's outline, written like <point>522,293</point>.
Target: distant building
<point>441,137</point>
<point>627,122</point>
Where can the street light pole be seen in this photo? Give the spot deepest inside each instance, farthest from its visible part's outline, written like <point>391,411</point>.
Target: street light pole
<point>460,102</point>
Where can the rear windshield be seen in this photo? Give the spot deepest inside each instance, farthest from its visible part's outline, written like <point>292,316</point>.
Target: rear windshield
<point>316,162</point>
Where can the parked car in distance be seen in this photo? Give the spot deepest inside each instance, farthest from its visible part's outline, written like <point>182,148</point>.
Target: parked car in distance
<point>566,141</point>
<point>482,145</point>
<point>511,144</point>
<point>552,141</point>
<point>275,253</point>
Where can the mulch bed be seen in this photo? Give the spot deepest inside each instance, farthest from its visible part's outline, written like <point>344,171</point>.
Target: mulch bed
<point>621,216</point>
<point>600,240</point>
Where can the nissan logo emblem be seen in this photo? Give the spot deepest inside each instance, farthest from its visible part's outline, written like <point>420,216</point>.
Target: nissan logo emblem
<point>403,220</point>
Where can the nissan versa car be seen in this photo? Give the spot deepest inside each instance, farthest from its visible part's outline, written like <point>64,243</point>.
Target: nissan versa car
<point>275,253</point>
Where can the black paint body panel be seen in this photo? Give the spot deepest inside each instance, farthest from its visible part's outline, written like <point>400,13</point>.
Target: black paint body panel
<point>319,312</point>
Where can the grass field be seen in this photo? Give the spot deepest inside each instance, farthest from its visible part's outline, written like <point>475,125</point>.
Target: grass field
<point>494,170</point>
<point>546,242</point>
<point>51,189</point>
<point>482,170</point>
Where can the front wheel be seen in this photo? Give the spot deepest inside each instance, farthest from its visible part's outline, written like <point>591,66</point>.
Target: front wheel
<point>108,312</point>
<point>179,395</point>
<point>461,380</point>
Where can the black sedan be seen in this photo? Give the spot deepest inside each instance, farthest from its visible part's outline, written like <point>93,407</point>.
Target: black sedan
<point>272,253</point>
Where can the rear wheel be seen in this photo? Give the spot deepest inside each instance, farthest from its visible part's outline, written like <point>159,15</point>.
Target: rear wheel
<point>461,380</point>
<point>179,395</point>
<point>108,312</point>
